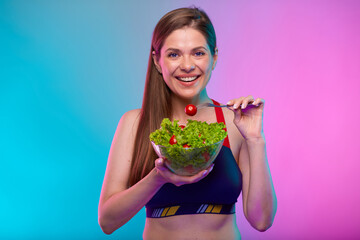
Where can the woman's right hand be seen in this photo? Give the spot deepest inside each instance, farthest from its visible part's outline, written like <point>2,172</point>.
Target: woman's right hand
<point>167,176</point>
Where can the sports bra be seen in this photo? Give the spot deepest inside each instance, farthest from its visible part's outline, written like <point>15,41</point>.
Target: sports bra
<point>217,193</point>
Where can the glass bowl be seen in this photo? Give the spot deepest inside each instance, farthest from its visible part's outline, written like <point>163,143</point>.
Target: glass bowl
<point>188,161</point>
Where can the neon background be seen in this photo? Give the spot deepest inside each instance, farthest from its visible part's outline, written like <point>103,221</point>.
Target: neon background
<point>70,69</point>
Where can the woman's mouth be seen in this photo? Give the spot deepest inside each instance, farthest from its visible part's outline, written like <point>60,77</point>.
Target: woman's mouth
<point>188,79</point>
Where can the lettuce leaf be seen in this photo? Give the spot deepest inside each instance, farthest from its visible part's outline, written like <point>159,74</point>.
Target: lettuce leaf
<point>195,134</point>
<point>199,136</point>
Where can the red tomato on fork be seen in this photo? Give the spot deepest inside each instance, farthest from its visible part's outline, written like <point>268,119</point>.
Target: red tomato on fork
<point>190,110</point>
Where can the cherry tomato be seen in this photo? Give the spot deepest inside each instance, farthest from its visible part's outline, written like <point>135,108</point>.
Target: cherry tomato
<point>189,169</point>
<point>173,140</point>
<point>206,155</point>
<point>190,110</point>
<point>182,126</point>
<point>186,145</point>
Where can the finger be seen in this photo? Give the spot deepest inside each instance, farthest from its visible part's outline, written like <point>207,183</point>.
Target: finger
<point>197,177</point>
<point>246,101</point>
<point>230,102</point>
<point>238,102</point>
<point>232,108</point>
<point>258,102</point>
<point>210,168</point>
<point>255,102</point>
<point>204,173</point>
<point>236,109</point>
<point>159,164</point>
<point>236,105</point>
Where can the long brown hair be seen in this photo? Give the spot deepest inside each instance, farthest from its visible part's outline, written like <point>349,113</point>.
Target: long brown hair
<point>156,101</point>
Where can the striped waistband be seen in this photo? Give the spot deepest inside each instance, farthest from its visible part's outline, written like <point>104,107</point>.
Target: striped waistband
<point>190,209</point>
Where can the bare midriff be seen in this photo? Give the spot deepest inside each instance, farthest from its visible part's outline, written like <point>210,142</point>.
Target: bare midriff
<point>197,226</point>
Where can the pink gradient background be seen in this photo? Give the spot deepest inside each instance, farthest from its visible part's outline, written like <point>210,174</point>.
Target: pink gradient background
<point>303,58</point>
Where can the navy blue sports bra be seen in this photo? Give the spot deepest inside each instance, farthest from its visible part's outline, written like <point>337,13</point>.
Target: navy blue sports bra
<point>217,193</point>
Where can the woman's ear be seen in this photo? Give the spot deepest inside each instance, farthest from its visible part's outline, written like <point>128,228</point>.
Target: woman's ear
<point>156,62</point>
<point>215,57</point>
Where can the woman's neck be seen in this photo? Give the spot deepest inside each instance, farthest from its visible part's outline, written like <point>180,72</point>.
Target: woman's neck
<point>179,104</point>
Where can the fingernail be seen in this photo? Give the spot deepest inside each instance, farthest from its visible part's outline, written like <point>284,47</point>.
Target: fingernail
<point>160,160</point>
<point>242,106</point>
<point>228,103</point>
<point>235,106</point>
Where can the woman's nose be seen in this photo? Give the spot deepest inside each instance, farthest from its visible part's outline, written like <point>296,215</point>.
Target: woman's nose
<point>187,65</point>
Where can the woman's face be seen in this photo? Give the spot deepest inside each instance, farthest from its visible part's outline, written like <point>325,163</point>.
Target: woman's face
<point>186,62</point>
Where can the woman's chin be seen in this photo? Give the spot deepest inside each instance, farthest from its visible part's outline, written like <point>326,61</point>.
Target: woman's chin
<point>188,94</point>
<point>188,90</point>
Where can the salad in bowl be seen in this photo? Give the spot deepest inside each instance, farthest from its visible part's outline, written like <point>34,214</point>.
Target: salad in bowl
<point>189,149</point>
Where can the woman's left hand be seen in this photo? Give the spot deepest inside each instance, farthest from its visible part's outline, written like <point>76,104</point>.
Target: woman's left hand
<point>248,116</point>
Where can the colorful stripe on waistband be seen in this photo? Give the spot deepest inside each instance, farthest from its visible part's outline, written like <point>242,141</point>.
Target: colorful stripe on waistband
<point>190,209</point>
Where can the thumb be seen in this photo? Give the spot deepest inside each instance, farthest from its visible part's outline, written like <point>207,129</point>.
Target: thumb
<point>237,113</point>
<point>159,164</point>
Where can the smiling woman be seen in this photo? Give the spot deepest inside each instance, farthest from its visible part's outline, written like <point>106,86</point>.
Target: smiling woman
<point>185,62</point>
<point>182,56</point>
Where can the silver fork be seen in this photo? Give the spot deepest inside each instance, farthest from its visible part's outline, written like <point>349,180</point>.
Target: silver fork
<point>203,105</point>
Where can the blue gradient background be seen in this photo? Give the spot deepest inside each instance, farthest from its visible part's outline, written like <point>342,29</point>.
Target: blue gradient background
<point>70,69</point>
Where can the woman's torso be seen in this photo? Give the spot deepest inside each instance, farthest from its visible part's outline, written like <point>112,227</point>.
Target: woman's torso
<point>197,226</point>
<point>200,226</point>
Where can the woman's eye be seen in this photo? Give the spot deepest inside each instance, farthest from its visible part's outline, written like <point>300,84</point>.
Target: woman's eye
<point>172,55</point>
<point>198,54</point>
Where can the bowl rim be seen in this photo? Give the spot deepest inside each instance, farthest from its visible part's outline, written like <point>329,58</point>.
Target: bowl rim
<point>190,147</point>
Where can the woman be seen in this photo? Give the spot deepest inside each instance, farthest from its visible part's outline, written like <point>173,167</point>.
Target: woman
<point>183,55</point>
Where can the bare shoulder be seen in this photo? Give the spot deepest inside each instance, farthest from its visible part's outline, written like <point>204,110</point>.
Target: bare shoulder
<point>120,155</point>
<point>131,117</point>
<point>125,132</point>
<point>127,126</point>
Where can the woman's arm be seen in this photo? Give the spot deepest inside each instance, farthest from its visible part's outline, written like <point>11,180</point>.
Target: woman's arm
<point>259,199</point>
<point>118,204</point>
<point>119,208</point>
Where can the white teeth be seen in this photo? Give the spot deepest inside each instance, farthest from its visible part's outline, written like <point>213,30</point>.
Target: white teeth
<point>188,79</point>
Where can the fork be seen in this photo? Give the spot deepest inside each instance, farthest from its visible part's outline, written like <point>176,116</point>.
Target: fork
<point>203,105</point>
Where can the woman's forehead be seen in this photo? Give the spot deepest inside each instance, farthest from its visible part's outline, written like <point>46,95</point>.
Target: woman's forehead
<point>186,38</point>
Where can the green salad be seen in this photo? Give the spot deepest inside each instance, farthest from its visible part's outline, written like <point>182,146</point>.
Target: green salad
<point>188,146</point>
